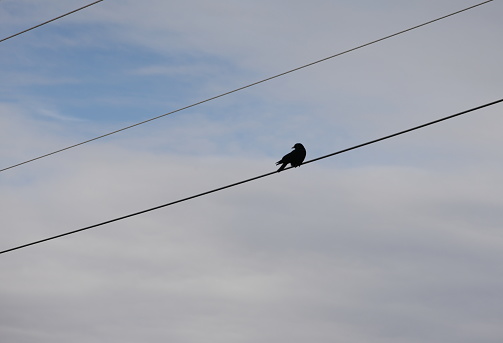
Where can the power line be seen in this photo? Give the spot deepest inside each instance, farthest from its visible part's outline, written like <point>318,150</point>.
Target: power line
<point>252,179</point>
<point>244,87</point>
<point>49,21</point>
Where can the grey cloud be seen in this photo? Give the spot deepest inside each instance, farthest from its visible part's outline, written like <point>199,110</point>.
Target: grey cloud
<point>396,242</point>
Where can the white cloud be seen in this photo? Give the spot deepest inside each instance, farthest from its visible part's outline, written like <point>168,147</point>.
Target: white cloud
<point>398,241</point>
<point>174,70</point>
<point>56,115</point>
<point>320,247</point>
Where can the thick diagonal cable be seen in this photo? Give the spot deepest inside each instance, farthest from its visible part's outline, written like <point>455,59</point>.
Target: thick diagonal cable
<point>241,88</point>
<point>251,179</point>
<point>49,21</point>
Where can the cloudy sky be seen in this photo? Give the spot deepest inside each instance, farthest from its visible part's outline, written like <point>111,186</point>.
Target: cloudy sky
<point>399,241</point>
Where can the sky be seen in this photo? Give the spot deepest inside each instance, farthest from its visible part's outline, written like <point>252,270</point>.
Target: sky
<point>399,241</point>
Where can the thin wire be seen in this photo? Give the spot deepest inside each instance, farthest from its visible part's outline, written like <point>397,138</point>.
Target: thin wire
<point>241,88</point>
<point>252,179</point>
<point>49,21</point>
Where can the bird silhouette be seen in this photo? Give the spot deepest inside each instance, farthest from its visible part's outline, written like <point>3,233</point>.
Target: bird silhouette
<point>295,158</point>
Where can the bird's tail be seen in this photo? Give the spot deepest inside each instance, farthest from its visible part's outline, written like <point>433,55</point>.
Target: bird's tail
<point>281,167</point>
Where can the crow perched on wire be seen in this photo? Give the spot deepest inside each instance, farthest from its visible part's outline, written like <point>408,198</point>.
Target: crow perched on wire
<point>295,158</point>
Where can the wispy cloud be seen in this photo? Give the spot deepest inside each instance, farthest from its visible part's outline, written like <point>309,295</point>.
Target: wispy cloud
<point>179,70</point>
<point>54,114</point>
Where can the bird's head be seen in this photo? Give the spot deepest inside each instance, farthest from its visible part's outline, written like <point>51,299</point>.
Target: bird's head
<point>298,146</point>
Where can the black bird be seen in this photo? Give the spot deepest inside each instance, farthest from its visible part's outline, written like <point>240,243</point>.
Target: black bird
<point>295,158</point>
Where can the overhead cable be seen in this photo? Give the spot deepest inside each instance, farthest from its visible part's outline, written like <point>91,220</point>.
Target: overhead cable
<point>251,179</point>
<point>49,21</point>
<point>244,87</point>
